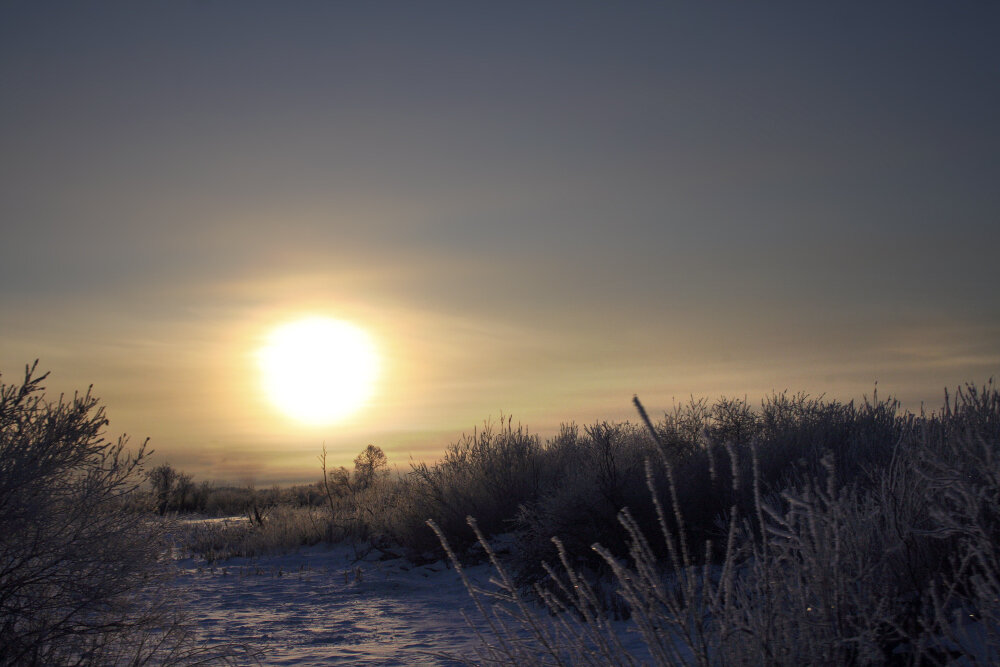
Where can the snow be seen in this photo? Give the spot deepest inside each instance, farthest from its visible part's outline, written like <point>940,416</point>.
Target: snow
<point>322,606</point>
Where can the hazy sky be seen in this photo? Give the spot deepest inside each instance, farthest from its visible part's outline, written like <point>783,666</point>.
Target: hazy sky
<point>538,208</point>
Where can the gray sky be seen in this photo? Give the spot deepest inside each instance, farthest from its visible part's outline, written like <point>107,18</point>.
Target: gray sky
<point>534,208</point>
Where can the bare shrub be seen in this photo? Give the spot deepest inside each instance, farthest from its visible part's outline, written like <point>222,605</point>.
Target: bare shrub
<point>82,576</point>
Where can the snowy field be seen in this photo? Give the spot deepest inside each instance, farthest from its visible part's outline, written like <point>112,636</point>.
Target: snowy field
<point>322,606</point>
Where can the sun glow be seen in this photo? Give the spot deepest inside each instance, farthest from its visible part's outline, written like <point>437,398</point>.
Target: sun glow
<point>318,370</point>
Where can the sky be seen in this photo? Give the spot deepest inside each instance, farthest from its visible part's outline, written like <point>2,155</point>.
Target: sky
<point>535,209</point>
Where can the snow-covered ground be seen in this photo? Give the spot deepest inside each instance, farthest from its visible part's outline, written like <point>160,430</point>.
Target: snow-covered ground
<point>321,606</point>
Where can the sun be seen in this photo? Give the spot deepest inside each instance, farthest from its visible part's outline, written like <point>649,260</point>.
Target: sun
<point>318,370</point>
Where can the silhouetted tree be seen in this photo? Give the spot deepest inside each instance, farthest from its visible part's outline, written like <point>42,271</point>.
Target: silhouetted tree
<point>369,465</point>
<point>163,479</point>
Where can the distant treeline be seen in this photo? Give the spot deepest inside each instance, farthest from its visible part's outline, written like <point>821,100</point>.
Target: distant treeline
<point>169,490</point>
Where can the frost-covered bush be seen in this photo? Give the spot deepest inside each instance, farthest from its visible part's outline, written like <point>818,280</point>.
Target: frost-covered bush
<point>573,484</point>
<point>588,478</point>
<point>896,566</point>
<point>492,473</point>
<point>83,575</point>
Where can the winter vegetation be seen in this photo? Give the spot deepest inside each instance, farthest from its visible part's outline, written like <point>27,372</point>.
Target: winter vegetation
<point>798,531</point>
<point>83,574</point>
<point>880,547</point>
